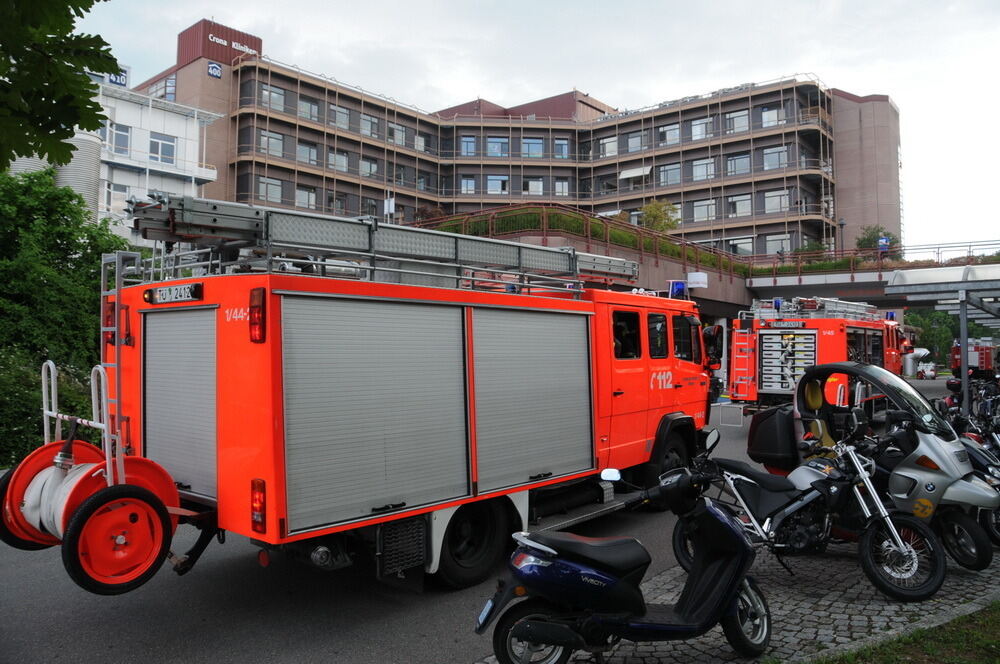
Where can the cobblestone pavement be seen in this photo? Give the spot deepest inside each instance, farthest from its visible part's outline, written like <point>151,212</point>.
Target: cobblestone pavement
<point>828,606</point>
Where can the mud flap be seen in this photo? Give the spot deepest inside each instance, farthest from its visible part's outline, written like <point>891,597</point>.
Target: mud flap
<point>506,591</point>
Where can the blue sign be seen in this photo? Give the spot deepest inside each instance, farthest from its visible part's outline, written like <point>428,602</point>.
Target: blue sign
<point>121,78</point>
<point>215,70</point>
<point>883,244</point>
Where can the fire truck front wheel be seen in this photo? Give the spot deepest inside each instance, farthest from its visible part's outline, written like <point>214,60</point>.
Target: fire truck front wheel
<point>117,540</point>
<point>473,544</point>
<point>672,454</point>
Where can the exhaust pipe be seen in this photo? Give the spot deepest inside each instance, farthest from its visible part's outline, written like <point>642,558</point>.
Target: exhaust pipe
<point>553,634</point>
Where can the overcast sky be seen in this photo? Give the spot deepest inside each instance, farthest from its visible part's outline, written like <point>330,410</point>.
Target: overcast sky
<point>937,61</point>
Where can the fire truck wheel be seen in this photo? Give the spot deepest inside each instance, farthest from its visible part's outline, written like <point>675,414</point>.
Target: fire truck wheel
<point>116,540</point>
<point>473,544</point>
<point>674,455</point>
<point>6,536</point>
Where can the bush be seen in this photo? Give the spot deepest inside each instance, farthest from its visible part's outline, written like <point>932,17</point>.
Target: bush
<point>529,220</point>
<point>573,224</point>
<point>623,238</point>
<point>598,229</point>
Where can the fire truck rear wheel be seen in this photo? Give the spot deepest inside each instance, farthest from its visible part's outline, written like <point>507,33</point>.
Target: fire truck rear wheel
<point>473,544</point>
<point>6,536</point>
<point>117,540</point>
<point>674,454</point>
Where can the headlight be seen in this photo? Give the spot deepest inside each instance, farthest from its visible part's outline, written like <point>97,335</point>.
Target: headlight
<point>995,472</point>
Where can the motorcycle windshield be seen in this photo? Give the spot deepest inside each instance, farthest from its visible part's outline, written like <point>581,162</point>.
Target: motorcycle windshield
<point>907,398</point>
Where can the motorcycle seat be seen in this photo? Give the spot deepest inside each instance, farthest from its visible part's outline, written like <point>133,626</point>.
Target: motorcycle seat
<point>618,555</point>
<point>765,480</point>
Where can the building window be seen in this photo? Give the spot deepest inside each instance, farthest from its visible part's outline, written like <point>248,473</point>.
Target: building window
<point>668,134</point>
<point>560,148</point>
<point>703,169</point>
<point>634,217</point>
<point>609,146</point>
<point>775,158</point>
<point>497,184</point>
<point>532,147</point>
<point>772,116</point>
<point>369,206</point>
<point>468,146</point>
<point>272,97</point>
<point>701,129</point>
<point>739,206</point>
<point>337,160</point>
<point>737,121</point>
<point>777,242</point>
<point>395,133</point>
<point>562,186</point>
<point>634,141</point>
<point>309,109</point>
<point>337,202</point>
<point>669,174</point>
<point>531,186</point>
<point>162,148</point>
<point>498,146</point>
<point>704,210</point>
<point>399,174</point>
<point>369,167</point>
<point>468,184</point>
<point>121,138</point>
<point>742,246</point>
<point>305,197</point>
<point>268,189</point>
<point>738,164</point>
<point>422,180</point>
<point>775,201</point>
<point>307,153</point>
<point>422,142</point>
<point>340,116</point>
<point>271,142</point>
<point>369,125</point>
<point>116,198</point>
<point>165,88</point>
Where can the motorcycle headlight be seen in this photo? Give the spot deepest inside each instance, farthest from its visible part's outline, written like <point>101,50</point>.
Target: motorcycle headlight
<point>995,472</point>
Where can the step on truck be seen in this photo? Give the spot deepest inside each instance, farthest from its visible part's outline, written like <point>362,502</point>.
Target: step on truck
<point>777,339</point>
<point>340,389</point>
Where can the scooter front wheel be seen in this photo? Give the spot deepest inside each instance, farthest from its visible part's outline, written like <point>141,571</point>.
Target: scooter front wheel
<point>990,521</point>
<point>683,549</point>
<point>748,626</point>
<point>510,650</point>
<point>912,573</point>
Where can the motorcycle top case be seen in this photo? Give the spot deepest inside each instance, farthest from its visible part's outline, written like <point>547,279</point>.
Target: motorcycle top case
<point>771,440</point>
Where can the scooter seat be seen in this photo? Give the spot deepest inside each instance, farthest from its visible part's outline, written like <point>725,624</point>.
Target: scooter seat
<point>766,480</point>
<point>619,555</point>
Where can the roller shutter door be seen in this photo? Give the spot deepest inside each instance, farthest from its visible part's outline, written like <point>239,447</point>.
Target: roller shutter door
<point>179,395</point>
<point>375,409</point>
<point>533,410</point>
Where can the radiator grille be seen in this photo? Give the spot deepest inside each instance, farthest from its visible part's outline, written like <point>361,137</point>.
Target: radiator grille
<point>402,545</point>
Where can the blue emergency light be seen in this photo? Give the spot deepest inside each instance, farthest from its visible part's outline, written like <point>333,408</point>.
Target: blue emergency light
<point>678,289</point>
<point>890,315</point>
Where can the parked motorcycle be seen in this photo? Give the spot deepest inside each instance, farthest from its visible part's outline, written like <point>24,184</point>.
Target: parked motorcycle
<point>583,593</point>
<point>796,514</point>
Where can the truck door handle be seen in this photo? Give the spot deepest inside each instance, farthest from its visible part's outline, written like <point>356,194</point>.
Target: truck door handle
<point>539,476</point>
<point>618,393</point>
<point>390,506</point>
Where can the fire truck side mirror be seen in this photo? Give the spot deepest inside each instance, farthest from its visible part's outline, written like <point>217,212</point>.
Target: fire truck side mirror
<point>713,336</point>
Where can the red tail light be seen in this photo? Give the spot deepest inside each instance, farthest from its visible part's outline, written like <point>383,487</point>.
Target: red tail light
<point>258,506</point>
<point>109,321</point>
<point>258,315</point>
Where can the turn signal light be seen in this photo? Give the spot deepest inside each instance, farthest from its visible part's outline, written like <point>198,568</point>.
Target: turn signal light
<point>257,315</point>
<point>258,506</point>
<point>928,463</point>
<point>109,321</point>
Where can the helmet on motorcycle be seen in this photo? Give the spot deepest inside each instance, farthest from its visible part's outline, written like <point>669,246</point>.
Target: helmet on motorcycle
<point>954,385</point>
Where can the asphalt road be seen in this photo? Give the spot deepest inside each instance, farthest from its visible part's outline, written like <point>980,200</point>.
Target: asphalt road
<point>229,609</point>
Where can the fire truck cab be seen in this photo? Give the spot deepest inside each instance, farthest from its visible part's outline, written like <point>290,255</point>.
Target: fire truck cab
<point>334,387</point>
<point>778,339</point>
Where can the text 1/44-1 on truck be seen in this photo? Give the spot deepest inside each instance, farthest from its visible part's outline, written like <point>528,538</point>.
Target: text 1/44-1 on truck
<point>334,388</point>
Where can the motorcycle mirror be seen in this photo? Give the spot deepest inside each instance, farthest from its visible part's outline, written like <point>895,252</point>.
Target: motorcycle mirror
<point>711,440</point>
<point>898,416</point>
<point>611,475</point>
<point>856,421</point>
<point>804,446</point>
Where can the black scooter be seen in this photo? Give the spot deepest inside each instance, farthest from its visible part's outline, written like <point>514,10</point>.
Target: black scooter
<point>582,593</point>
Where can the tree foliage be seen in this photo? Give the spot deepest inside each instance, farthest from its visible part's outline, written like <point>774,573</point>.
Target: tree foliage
<point>938,331</point>
<point>44,91</point>
<point>868,238</point>
<point>50,260</point>
<point>659,216</point>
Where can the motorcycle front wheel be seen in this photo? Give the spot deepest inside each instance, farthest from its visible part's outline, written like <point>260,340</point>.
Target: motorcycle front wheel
<point>965,540</point>
<point>911,574</point>
<point>748,629</point>
<point>510,650</point>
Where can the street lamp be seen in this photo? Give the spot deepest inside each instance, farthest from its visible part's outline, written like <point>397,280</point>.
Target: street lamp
<point>841,223</point>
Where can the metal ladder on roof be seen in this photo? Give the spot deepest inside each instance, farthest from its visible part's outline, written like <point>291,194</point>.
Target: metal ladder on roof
<point>114,270</point>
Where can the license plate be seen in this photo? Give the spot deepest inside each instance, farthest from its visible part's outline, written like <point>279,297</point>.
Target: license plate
<point>486,611</point>
<point>179,293</point>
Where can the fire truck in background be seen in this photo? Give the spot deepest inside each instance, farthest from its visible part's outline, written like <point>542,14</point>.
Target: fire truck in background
<point>777,340</point>
<point>336,388</point>
<point>981,358</point>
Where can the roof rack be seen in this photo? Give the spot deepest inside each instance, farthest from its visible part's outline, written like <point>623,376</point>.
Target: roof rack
<point>236,237</point>
<point>813,307</point>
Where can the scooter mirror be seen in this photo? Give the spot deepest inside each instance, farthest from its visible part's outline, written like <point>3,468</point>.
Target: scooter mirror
<point>611,475</point>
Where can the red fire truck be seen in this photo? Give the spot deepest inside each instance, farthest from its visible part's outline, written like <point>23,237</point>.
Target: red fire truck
<point>334,388</point>
<point>777,339</point>
<point>981,356</point>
